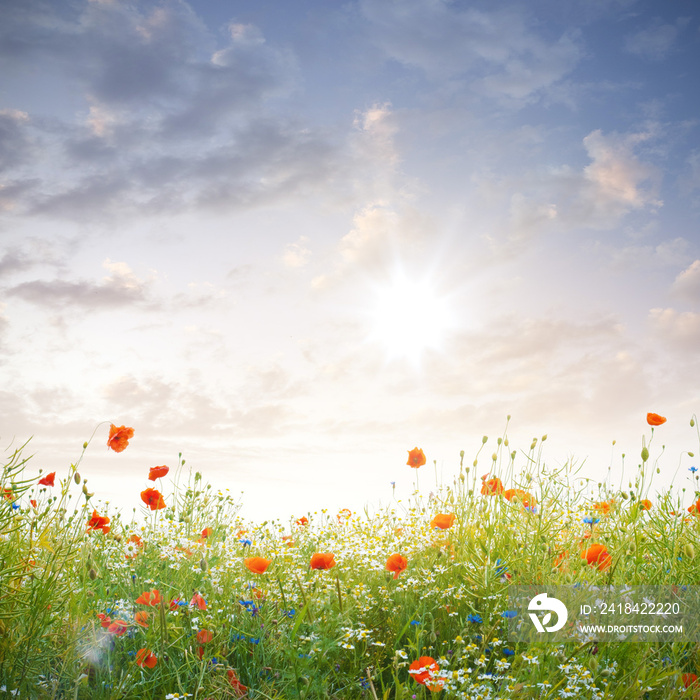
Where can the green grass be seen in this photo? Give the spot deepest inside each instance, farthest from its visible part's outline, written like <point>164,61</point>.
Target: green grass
<point>353,630</point>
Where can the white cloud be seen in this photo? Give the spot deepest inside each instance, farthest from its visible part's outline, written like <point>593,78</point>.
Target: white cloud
<point>681,330</point>
<point>687,283</point>
<point>297,254</point>
<point>656,41</point>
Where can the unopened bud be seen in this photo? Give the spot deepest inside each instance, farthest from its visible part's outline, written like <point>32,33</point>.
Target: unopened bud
<point>512,454</point>
<point>645,454</point>
<point>499,441</point>
<point>544,437</point>
<point>461,454</point>
<point>692,422</point>
<point>494,457</point>
<point>85,445</point>
<point>484,439</point>
<point>614,441</point>
<point>475,462</point>
<point>505,442</point>
<point>92,574</point>
<point>534,444</point>
<point>203,565</point>
<point>76,477</point>
<point>691,454</point>
<point>689,550</point>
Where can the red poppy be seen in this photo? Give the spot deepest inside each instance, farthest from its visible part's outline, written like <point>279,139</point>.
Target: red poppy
<point>104,620</point>
<point>288,539</point>
<point>655,419</point>
<point>33,502</point>
<point>48,479</point>
<point>156,472</point>
<point>153,499</point>
<point>560,561</point>
<point>8,494</point>
<point>416,458</point>
<point>119,437</point>
<point>598,554</point>
<point>443,520</point>
<point>694,509</point>
<point>141,617</point>
<point>322,561</point>
<point>645,504</point>
<point>118,627</point>
<point>491,487</point>
<point>204,636</point>
<point>397,564</point>
<point>421,671</point>
<point>303,521</point>
<point>689,679</point>
<point>527,499</point>
<point>198,602</point>
<point>257,565</point>
<point>149,598</point>
<point>240,689</point>
<point>206,532</point>
<point>98,522</point>
<point>344,513</point>
<point>145,657</point>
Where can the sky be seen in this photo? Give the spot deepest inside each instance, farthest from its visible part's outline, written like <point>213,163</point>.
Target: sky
<point>294,240</point>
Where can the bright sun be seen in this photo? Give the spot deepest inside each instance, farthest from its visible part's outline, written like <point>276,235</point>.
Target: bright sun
<point>409,317</point>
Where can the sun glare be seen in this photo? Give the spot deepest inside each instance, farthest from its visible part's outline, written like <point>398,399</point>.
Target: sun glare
<point>409,317</point>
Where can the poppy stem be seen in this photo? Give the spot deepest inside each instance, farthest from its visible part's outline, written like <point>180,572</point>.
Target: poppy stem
<point>340,599</point>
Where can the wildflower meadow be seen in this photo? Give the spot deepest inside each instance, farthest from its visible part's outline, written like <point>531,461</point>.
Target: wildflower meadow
<point>407,602</point>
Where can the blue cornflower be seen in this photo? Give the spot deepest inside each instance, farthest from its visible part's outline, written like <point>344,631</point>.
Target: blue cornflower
<point>255,640</point>
<point>415,622</point>
<point>500,567</point>
<point>15,506</point>
<point>589,520</point>
<point>475,618</point>
<point>508,652</point>
<point>692,469</point>
<point>290,613</point>
<point>247,603</point>
<point>245,542</point>
<point>509,613</point>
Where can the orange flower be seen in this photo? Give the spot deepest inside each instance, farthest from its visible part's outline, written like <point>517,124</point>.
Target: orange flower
<point>303,521</point>
<point>98,522</point>
<point>598,554</point>
<point>7,493</point>
<point>604,506</point>
<point>344,513</point>
<point>141,617</point>
<point>560,560</point>
<point>443,521</point>
<point>104,620</point>
<point>421,671</point>
<point>257,565</point>
<point>527,499</point>
<point>655,419</point>
<point>694,509</point>
<point>145,657</point>
<point>397,564</point>
<point>33,502</point>
<point>288,539</point>
<point>204,636</point>
<point>119,437</point>
<point>48,479</point>
<point>491,487</point>
<point>156,472</point>
<point>322,561</point>
<point>645,504</point>
<point>416,458</point>
<point>240,689</point>
<point>206,532</point>
<point>118,627</point>
<point>149,598</point>
<point>153,499</point>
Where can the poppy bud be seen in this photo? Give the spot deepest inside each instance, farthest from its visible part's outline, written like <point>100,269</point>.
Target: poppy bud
<point>691,454</point>
<point>494,456</point>
<point>475,462</point>
<point>623,494</point>
<point>203,565</point>
<point>484,439</point>
<point>689,550</point>
<point>512,454</point>
<point>76,478</point>
<point>461,477</point>
<point>534,444</point>
<point>499,441</point>
<point>645,454</point>
<point>461,454</point>
<point>544,437</point>
<point>692,422</point>
<point>85,445</point>
<point>92,574</point>
<point>505,442</point>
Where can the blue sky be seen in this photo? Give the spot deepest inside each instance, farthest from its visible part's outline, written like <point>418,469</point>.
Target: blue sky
<point>294,240</point>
